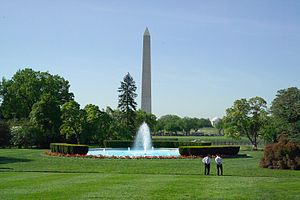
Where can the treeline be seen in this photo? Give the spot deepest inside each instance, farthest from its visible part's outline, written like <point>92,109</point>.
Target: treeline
<point>174,124</point>
<point>37,108</point>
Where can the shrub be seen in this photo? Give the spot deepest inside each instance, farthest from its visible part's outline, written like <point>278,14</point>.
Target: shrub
<point>23,135</point>
<point>164,139</point>
<point>285,154</point>
<point>176,144</point>
<point>205,150</point>
<point>69,148</point>
<point>118,143</point>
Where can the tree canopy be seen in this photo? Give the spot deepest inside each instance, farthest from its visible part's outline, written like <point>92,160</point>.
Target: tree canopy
<point>73,120</point>
<point>19,94</point>
<point>245,118</point>
<point>286,111</point>
<point>174,123</point>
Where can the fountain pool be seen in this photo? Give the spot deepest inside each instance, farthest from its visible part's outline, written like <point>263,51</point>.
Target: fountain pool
<point>142,147</point>
<point>119,152</point>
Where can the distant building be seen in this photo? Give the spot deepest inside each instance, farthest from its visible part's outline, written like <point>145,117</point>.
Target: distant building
<point>214,121</point>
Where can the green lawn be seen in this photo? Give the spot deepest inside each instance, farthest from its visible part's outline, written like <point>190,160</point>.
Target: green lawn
<point>30,174</point>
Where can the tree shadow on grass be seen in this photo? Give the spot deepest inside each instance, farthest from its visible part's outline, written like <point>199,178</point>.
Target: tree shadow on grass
<point>239,156</point>
<point>7,160</point>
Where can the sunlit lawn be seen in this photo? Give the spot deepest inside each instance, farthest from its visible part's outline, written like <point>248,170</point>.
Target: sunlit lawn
<point>30,174</point>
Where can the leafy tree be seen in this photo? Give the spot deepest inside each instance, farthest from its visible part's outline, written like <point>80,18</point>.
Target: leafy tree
<point>73,120</point>
<point>204,123</point>
<point>18,95</point>
<point>105,127</point>
<point>98,124</point>
<point>270,129</point>
<point>45,115</point>
<point>220,126</point>
<point>189,123</point>
<point>91,128</point>
<point>170,123</point>
<point>118,129</point>
<point>142,116</point>
<point>245,117</point>
<point>4,133</point>
<point>286,112</point>
<point>127,104</point>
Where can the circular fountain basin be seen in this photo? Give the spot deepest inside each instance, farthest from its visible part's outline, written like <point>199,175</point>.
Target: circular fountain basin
<point>119,152</point>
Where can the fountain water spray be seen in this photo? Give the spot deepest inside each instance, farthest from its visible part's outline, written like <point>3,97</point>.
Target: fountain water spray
<point>142,147</point>
<point>143,138</point>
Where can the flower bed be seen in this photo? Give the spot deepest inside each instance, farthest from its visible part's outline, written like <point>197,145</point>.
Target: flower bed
<point>119,157</point>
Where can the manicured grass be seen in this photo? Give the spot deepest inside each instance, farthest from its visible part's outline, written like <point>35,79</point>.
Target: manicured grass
<point>209,130</point>
<point>30,174</point>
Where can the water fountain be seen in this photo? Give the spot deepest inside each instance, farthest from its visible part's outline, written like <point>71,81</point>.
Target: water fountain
<point>142,147</point>
<point>143,138</point>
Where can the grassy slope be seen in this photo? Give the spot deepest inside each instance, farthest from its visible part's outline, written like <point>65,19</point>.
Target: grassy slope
<point>29,174</point>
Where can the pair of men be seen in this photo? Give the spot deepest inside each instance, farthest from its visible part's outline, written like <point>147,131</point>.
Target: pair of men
<point>218,160</point>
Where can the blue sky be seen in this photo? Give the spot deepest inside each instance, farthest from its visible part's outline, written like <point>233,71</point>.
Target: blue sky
<point>205,54</point>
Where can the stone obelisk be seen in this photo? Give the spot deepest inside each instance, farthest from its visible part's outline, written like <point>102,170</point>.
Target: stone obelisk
<point>146,73</point>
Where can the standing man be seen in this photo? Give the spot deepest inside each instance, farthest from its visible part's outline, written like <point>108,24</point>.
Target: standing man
<point>206,161</point>
<point>218,160</point>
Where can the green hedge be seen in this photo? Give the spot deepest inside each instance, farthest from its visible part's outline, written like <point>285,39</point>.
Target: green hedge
<point>165,139</point>
<point>173,144</point>
<point>155,143</point>
<point>69,148</point>
<point>118,143</point>
<point>205,150</point>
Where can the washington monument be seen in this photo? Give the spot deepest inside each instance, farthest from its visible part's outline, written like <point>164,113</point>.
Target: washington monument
<point>146,74</point>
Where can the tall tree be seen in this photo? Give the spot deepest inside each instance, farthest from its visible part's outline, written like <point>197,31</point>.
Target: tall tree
<point>98,125</point>
<point>73,120</point>
<point>19,94</point>
<point>127,104</point>
<point>45,116</point>
<point>245,118</point>
<point>286,112</point>
<point>91,128</point>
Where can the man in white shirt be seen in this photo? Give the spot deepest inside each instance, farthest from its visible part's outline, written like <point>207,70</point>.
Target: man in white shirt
<point>206,161</point>
<point>218,160</point>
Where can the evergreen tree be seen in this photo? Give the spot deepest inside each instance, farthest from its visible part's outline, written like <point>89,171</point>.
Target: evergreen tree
<point>127,104</point>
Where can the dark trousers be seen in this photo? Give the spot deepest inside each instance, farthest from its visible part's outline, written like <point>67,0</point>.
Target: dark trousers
<point>206,169</point>
<point>220,168</point>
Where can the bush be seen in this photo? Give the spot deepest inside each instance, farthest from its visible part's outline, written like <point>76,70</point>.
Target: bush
<point>205,150</point>
<point>165,139</point>
<point>23,135</point>
<point>285,154</point>
<point>69,148</point>
<point>176,144</point>
<point>118,143</point>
